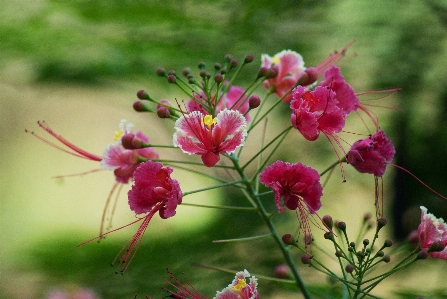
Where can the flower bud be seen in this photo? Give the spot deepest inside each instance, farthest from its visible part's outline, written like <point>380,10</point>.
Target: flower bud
<point>218,78</point>
<point>186,71</point>
<point>282,271</point>
<point>352,245</point>
<point>263,72</point>
<point>413,239</point>
<point>223,71</point>
<point>327,220</point>
<point>272,72</point>
<point>217,66</point>
<point>130,141</point>
<point>233,63</point>
<point>365,242</point>
<point>367,216</point>
<point>254,101</point>
<point>202,73</point>
<point>161,72</point>
<point>381,222</point>
<point>288,239</point>
<point>422,255</point>
<point>248,58</point>
<point>329,236</point>
<point>341,226</point>
<point>141,107</point>
<point>305,259</point>
<point>349,268</point>
<point>201,65</point>
<point>388,243</point>
<point>386,259</point>
<point>142,95</point>
<point>380,253</point>
<point>163,112</point>
<point>171,79</point>
<point>228,57</point>
<point>338,253</point>
<point>309,77</point>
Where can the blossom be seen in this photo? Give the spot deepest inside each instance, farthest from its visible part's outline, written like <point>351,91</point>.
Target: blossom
<point>233,99</point>
<point>345,96</point>
<point>293,183</point>
<point>153,191</point>
<point>124,161</point>
<point>316,111</point>
<point>207,136</point>
<point>77,293</point>
<point>432,230</point>
<point>239,288</point>
<point>290,67</point>
<point>372,154</point>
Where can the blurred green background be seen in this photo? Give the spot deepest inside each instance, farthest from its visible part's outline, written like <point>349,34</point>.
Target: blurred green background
<point>78,64</point>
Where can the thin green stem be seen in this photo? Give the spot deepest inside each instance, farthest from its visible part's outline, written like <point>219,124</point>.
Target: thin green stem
<point>219,207</point>
<point>210,188</point>
<point>243,239</point>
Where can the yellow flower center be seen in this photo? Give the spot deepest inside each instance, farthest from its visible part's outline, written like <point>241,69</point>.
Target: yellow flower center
<point>208,121</point>
<point>241,284</point>
<point>275,60</point>
<point>118,135</point>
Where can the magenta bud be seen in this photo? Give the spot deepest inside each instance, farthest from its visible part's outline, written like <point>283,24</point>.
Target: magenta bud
<point>171,78</point>
<point>130,141</point>
<point>263,72</point>
<point>171,72</point>
<point>186,71</point>
<point>327,220</point>
<point>329,236</point>
<point>203,73</point>
<point>388,243</point>
<point>254,101</point>
<point>217,66</point>
<point>272,72</point>
<point>249,58</point>
<point>380,253</point>
<point>201,65</point>
<point>142,95</point>
<point>161,72</point>
<point>349,268</point>
<point>282,271</point>
<point>223,71</point>
<point>386,259</point>
<point>422,255</point>
<point>305,259</point>
<point>163,112</point>
<point>233,63</point>
<point>288,239</point>
<point>140,107</point>
<point>338,253</point>
<point>308,77</point>
<point>341,225</point>
<point>228,57</point>
<point>381,222</point>
<point>218,78</point>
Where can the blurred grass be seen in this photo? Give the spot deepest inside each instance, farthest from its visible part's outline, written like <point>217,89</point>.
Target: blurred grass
<point>78,64</point>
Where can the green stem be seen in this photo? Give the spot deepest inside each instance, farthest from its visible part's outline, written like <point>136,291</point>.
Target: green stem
<point>268,221</point>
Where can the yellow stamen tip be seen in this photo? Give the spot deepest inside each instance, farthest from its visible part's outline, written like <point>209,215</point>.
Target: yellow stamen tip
<point>118,135</point>
<point>241,284</point>
<point>275,60</point>
<point>208,121</point>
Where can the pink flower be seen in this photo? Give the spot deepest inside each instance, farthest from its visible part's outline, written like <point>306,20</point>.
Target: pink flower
<point>293,183</point>
<point>153,191</point>
<point>344,93</point>
<point>316,111</point>
<point>290,67</point>
<point>372,154</point>
<point>124,161</point>
<point>182,291</point>
<point>78,293</point>
<point>239,288</point>
<point>233,99</point>
<point>207,136</point>
<point>432,230</point>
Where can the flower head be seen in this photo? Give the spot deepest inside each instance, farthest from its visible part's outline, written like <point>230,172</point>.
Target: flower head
<point>76,293</point>
<point>372,154</point>
<point>432,230</point>
<point>207,136</point>
<point>316,111</point>
<point>240,288</point>
<point>153,191</point>
<point>124,161</point>
<point>294,183</point>
<point>290,67</point>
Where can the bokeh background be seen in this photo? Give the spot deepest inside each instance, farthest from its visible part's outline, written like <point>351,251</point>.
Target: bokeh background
<point>78,64</point>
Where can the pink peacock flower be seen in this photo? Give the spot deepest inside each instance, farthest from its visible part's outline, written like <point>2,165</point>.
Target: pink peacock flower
<point>295,184</point>
<point>207,136</point>
<point>153,191</point>
<point>316,111</point>
<point>432,230</point>
<point>372,155</point>
<point>240,288</point>
<point>290,68</point>
<point>124,161</point>
<point>233,99</point>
